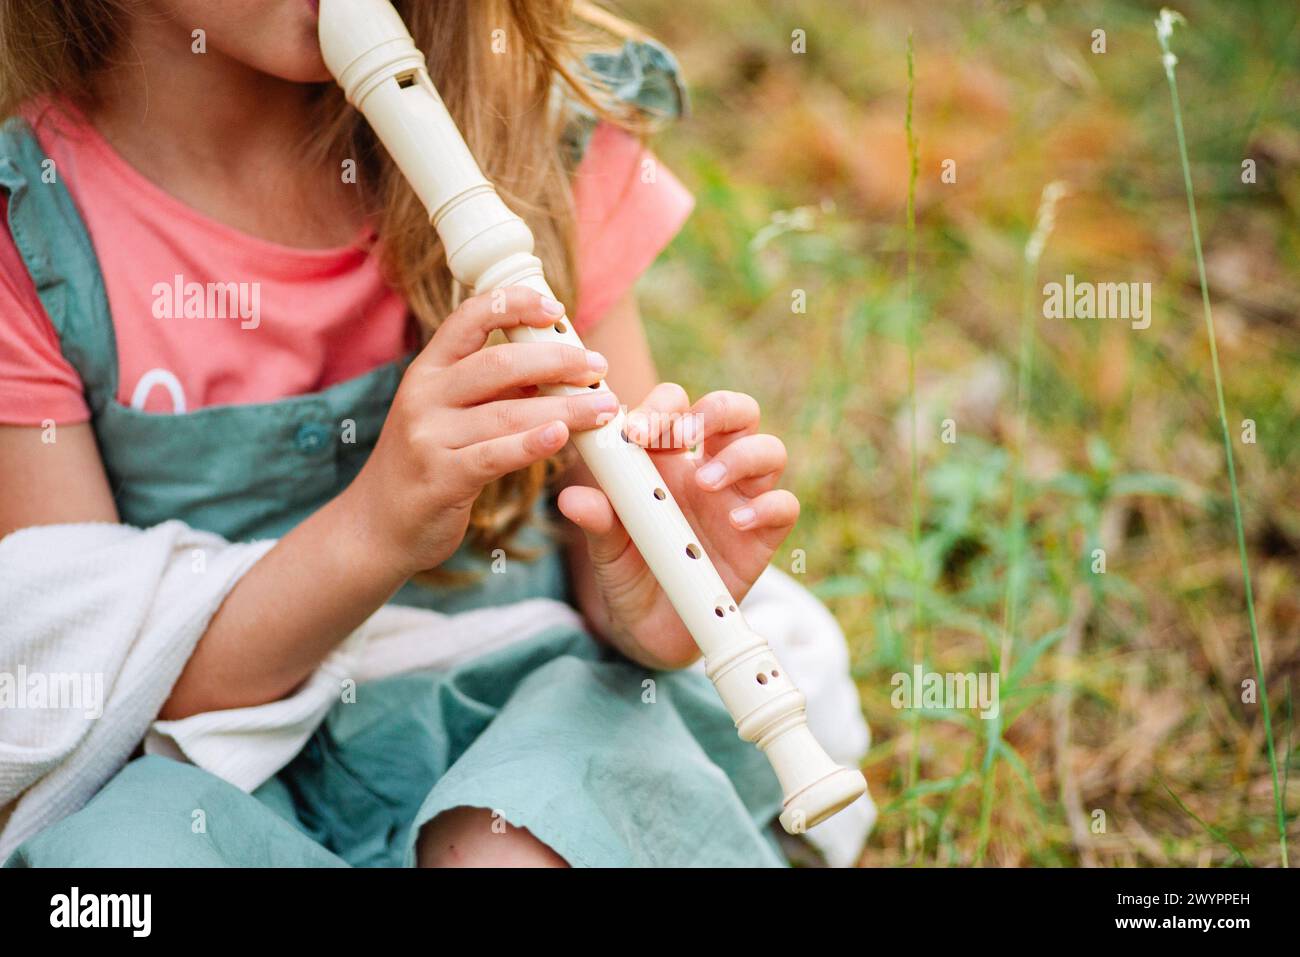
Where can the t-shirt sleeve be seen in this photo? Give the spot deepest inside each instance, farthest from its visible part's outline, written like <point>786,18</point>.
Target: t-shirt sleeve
<point>36,382</point>
<point>627,206</point>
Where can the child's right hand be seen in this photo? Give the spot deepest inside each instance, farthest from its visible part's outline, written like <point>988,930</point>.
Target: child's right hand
<point>463,417</point>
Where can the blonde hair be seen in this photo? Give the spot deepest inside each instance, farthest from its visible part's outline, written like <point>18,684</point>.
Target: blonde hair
<point>504,106</point>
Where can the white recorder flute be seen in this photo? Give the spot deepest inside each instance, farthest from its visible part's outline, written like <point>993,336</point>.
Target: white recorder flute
<point>372,56</point>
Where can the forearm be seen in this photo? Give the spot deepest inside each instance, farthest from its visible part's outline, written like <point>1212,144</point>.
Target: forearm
<point>448,434</point>
<point>286,614</point>
<point>282,618</point>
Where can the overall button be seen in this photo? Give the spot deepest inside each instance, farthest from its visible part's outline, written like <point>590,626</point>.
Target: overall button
<point>312,437</point>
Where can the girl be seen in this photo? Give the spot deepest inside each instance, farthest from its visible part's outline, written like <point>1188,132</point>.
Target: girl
<point>156,147</point>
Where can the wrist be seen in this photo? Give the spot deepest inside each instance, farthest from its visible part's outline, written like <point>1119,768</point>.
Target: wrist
<point>364,544</point>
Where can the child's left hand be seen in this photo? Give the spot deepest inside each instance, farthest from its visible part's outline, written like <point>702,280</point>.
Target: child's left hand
<point>728,495</point>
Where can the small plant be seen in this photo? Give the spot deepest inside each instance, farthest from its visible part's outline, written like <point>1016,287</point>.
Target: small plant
<point>1043,224</point>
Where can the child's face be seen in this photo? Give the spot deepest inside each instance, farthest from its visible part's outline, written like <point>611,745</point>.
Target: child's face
<point>274,36</point>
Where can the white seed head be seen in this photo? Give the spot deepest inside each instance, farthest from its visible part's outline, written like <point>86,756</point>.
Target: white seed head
<point>1164,31</point>
<point>1046,219</point>
<point>1165,24</point>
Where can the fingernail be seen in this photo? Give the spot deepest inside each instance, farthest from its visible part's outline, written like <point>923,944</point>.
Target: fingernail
<point>596,362</point>
<point>744,517</point>
<point>606,402</point>
<point>551,307</point>
<point>712,474</point>
<point>552,434</point>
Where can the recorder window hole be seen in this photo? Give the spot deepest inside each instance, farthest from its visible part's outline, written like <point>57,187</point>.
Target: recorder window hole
<point>405,80</point>
<point>693,551</point>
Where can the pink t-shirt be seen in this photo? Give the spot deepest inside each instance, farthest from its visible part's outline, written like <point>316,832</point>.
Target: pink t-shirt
<point>205,315</point>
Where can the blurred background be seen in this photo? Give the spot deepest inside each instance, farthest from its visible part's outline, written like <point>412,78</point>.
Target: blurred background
<point>1124,738</point>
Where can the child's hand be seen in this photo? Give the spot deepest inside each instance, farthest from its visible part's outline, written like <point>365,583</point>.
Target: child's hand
<point>728,495</point>
<point>463,417</point>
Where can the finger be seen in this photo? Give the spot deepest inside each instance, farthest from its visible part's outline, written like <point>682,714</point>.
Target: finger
<point>650,424</point>
<point>516,392</point>
<point>466,330</point>
<point>589,509</point>
<point>578,412</point>
<point>488,461</point>
<point>723,417</point>
<point>774,511</point>
<point>752,463</point>
<point>481,376</point>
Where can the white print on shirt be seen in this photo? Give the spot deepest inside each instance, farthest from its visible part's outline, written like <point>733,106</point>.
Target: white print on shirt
<point>165,378</point>
<point>214,300</point>
<point>103,910</point>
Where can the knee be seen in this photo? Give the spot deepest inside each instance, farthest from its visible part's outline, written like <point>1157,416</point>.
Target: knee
<point>478,837</point>
<point>142,818</point>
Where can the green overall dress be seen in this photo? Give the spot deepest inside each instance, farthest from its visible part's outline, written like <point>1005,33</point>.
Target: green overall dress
<point>556,734</point>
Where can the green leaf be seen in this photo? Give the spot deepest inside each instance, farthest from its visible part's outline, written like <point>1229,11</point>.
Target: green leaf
<point>1030,657</point>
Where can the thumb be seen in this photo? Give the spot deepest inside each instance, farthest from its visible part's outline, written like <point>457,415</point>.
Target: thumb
<point>589,509</point>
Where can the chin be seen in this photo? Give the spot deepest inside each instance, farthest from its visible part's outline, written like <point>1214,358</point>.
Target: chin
<point>306,73</point>
<point>301,65</point>
<point>299,59</point>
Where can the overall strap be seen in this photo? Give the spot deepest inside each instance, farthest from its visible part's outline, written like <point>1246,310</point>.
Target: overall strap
<point>54,244</point>
<point>643,74</point>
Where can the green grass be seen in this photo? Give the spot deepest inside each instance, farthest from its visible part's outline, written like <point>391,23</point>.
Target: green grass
<point>1123,738</point>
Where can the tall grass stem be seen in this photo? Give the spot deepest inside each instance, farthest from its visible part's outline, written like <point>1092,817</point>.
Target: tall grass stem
<point>918,614</point>
<point>1164,31</point>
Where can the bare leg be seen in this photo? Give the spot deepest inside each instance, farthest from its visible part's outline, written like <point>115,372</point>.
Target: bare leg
<point>465,837</point>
